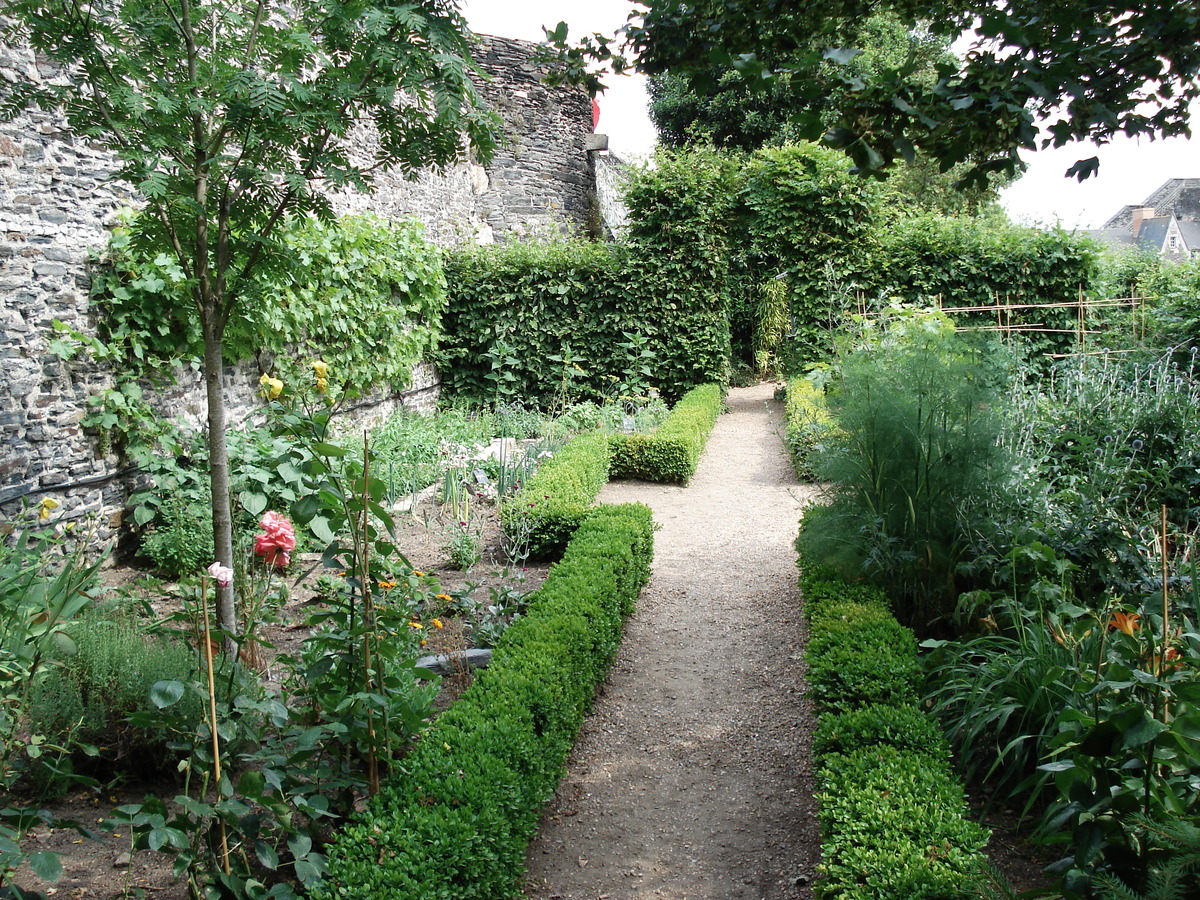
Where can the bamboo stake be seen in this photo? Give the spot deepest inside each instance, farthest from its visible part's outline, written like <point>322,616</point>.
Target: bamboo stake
<point>212,719</point>
<point>368,619</point>
<point>1166,614</point>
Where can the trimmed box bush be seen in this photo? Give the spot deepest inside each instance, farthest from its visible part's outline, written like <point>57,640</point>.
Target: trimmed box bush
<point>892,828</point>
<point>548,509</point>
<point>670,454</point>
<point>454,820</point>
<point>892,814</point>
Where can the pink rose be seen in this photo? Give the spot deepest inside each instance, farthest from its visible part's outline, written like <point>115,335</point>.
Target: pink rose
<point>222,574</point>
<point>277,540</point>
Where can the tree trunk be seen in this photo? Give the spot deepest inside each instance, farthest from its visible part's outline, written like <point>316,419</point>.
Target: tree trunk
<point>218,463</point>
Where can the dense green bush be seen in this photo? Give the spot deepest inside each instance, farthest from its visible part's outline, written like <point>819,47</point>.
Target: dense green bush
<point>455,823</point>
<point>547,510</point>
<point>806,424</point>
<point>881,724</point>
<point>671,453</point>
<point>891,812</point>
<point>892,828</point>
<point>860,654</point>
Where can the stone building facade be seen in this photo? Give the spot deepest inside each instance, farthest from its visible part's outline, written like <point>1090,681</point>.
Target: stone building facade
<point>57,203</point>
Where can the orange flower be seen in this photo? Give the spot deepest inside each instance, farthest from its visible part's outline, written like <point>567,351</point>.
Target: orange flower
<point>418,573</point>
<point>437,623</point>
<point>386,585</point>
<point>1124,622</point>
<point>416,625</point>
<point>444,597</point>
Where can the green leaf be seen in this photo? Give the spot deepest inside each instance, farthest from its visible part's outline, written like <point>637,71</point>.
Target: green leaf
<point>266,855</point>
<point>46,865</point>
<point>319,525</point>
<point>254,503</point>
<point>166,693</point>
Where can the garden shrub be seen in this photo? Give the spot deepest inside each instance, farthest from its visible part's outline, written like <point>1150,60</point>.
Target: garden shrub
<point>871,659</point>
<point>806,423</point>
<point>89,696</point>
<point>671,453</point>
<point>892,815</point>
<point>903,727</point>
<point>892,828</point>
<point>454,824</point>
<point>914,453</point>
<point>548,509</point>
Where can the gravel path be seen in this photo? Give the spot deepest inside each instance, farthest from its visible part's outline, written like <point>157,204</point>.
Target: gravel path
<point>691,779</point>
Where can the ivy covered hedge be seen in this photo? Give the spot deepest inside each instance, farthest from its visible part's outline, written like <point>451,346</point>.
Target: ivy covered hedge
<point>670,454</point>
<point>893,816</point>
<point>545,512</point>
<point>454,821</point>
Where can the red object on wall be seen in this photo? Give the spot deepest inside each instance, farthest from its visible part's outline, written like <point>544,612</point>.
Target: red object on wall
<point>595,113</point>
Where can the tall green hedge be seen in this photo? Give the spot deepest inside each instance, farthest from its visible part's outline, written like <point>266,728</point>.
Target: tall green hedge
<point>548,322</point>
<point>963,262</point>
<point>454,820</point>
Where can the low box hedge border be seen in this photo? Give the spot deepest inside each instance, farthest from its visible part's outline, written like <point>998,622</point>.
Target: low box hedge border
<point>454,821</point>
<point>546,511</point>
<point>893,816</point>
<point>670,454</point>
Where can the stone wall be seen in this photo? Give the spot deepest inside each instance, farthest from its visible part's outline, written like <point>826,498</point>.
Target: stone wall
<point>57,203</point>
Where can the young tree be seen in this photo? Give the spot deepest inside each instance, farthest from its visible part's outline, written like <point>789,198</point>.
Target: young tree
<point>229,115</point>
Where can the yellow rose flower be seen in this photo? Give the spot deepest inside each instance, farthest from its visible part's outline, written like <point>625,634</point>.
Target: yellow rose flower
<point>47,506</point>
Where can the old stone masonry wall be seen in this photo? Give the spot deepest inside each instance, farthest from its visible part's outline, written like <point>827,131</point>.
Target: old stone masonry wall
<point>57,203</point>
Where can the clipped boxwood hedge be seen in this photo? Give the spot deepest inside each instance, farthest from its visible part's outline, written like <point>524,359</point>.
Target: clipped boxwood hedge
<point>454,821</point>
<point>670,454</point>
<point>548,509</point>
<point>892,814</point>
<point>806,423</point>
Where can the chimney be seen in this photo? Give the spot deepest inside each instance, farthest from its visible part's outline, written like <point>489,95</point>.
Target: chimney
<point>1140,215</point>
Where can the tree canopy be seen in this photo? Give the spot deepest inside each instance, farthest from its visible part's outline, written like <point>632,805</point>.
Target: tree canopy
<point>1038,72</point>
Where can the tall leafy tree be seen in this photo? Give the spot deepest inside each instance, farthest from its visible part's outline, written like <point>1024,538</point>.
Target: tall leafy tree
<point>726,110</point>
<point>1039,73</point>
<point>230,115</point>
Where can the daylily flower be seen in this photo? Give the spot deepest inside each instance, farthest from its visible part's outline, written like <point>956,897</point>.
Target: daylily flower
<point>1124,622</point>
<point>223,575</point>
<point>277,540</point>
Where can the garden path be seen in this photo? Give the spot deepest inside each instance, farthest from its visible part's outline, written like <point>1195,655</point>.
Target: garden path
<point>691,778</point>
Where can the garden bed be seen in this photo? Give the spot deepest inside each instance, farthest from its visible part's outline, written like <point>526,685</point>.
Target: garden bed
<point>106,868</point>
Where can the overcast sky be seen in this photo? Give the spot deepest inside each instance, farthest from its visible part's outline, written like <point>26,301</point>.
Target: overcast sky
<point>1129,170</point>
